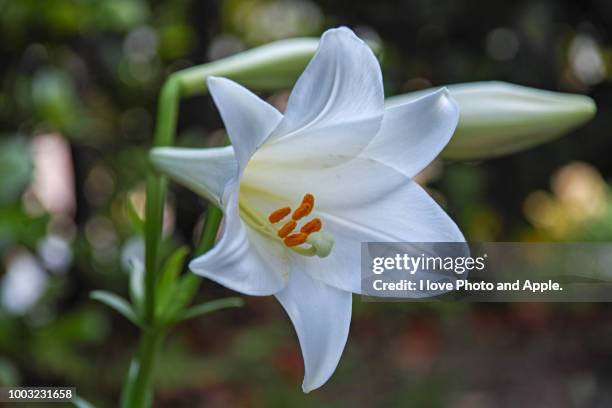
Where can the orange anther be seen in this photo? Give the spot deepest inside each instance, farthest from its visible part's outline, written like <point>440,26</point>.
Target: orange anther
<point>303,210</point>
<point>279,214</point>
<point>287,228</point>
<point>295,239</point>
<point>311,226</point>
<point>308,198</point>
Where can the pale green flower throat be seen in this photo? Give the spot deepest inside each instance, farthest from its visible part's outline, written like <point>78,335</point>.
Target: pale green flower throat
<point>310,240</point>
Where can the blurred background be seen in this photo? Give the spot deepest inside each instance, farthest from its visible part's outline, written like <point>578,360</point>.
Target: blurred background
<point>79,82</point>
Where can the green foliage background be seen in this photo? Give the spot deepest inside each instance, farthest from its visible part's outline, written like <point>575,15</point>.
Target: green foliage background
<point>88,71</point>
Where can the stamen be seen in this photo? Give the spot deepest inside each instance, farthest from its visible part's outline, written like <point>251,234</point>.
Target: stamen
<point>305,207</point>
<point>295,239</point>
<point>287,228</point>
<point>279,214</point>
<point>318,243</point>
<point>311,226</point>
<point>308,198</point>
<point>302,211</point>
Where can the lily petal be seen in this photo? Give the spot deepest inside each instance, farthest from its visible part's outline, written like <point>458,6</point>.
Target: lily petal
<point>248,119</point>
<point>337,103</point>
<point>414,133</point>
<point>242,259</point>
<point>408,214</point>
<point>321,316</point>
<point>205,171</point>
<point>392,208</point>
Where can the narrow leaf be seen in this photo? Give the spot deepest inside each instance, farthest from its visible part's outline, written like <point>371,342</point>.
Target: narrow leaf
<point>116,302</point>
<point>211,306</point>
<point>171,270</point>
<point>179,296</point>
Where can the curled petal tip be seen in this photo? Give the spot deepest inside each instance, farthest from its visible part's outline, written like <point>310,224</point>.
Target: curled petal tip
<point>342,30</point>
<point>205,171</point>
<point>212,81</point>
<point>306,388</point>
<point>342,33</point>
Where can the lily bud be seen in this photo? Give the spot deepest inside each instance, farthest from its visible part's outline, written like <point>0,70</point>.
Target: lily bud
<point>271,66</point>
<point>499,118</point>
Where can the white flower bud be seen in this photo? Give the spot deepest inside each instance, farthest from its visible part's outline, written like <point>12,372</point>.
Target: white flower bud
<point>498,118</point>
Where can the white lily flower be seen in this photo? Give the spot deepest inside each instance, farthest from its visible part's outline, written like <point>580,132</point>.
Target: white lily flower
<point>301,191</point>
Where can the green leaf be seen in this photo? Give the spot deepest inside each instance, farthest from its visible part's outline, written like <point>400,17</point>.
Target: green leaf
<point>116,302</point>
<point>171,270</point>
<point>204,308</point>
<point>179,296</point>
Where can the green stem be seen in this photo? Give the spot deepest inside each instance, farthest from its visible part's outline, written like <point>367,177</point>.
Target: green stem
<point>267,67</point>
<point>137,391</point>
<point>156,193</point>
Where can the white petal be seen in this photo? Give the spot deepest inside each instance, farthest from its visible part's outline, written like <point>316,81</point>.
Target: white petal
<point>205,171</point>
<point>242,259</point>
<point>342,80</point>
<point>321,316</point>
<point>360,201</point>
<point>414,133</point>
<point>336,105</point>
<point>248,119</point>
